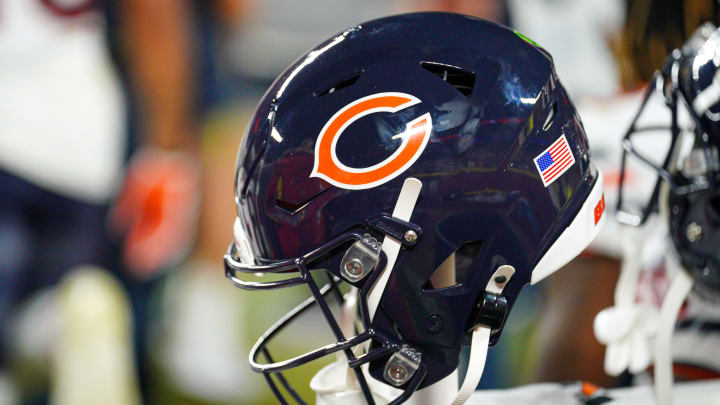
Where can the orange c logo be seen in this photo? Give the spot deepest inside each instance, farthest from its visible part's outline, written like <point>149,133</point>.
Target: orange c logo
<point>414,139</point>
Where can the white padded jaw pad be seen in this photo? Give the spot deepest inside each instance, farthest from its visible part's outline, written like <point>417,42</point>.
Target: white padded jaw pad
<point>576,237</point>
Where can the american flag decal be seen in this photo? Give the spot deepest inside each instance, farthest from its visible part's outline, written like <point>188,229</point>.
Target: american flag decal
<point>554,161</point>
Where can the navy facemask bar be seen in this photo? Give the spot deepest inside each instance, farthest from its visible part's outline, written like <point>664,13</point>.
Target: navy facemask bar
<point>658,82</point>
<point>233,266</point>
<point>625,215</point>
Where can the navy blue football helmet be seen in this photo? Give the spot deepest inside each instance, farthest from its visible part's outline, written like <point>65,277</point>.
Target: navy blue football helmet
<point>392,152</point>
<point>688,175</point>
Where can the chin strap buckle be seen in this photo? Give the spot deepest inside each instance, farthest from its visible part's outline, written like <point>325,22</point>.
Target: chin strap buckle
<point>492,312</point>
<point>490,319</point>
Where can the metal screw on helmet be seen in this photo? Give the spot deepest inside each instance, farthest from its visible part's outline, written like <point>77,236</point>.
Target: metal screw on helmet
<point>693,232</point>
<point>354,267</point>
<point>360,259</point>
<point>411,236</point>
<point>402,366</point>
<point>434,324</point>
<point>398,374</point>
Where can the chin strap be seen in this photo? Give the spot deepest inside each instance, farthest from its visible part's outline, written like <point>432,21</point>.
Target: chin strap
<point>403,210</point>
<point>478,355</point>
<point>481,339</point>
<point>680,287</point>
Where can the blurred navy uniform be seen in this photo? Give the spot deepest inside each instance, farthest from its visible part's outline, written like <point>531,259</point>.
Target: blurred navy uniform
<point>62,143</point>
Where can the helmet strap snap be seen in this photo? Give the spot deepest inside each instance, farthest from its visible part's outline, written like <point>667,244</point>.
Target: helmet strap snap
<point>481,338</point>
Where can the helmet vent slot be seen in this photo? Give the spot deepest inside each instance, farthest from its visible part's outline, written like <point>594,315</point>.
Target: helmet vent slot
<point>290,207</point>
<point>462,80</point>
<point>550,117</point>
<point>293,207</point>
<point>341,85</point>
<point>454,268</point>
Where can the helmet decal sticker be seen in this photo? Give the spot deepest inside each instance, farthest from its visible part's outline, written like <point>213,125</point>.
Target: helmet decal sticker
<point>414,139</point>
<point>554,161</point>
<point>599,209</point>
<point>527,39</point>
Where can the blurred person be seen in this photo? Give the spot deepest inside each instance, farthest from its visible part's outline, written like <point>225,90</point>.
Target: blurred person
<point>652,30</point>
<point>155,212</point>
<point>202,322</point>
<point>156,208</point>
<point>64,142</point>
<point>682,49</point>
<point>61,146</point>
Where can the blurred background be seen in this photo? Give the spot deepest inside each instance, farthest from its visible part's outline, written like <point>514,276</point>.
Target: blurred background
<point>119,125</point>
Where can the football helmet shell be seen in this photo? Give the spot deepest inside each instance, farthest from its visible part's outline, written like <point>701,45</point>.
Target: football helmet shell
<point>695,216</point>
<point>472,110</point>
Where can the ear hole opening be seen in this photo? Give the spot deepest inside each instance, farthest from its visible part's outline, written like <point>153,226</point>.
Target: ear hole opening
<point>341,85</point>
<point>454,269</point>
<point>551,116</point>
<point>462,80</point>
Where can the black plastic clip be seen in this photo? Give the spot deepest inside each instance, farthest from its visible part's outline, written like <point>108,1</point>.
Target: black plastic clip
<point>408,234</point>
<point>491,312</point>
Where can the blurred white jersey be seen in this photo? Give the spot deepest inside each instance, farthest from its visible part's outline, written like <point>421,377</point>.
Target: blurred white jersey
<point>61,107</point>
<point>576,33</point>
